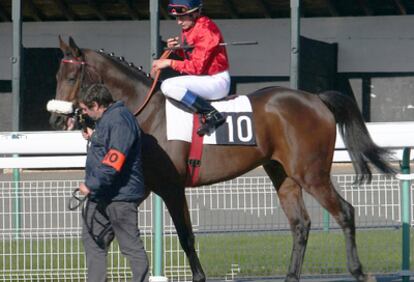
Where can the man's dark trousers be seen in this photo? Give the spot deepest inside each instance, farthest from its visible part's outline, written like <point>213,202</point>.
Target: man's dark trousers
<point>123,220</point>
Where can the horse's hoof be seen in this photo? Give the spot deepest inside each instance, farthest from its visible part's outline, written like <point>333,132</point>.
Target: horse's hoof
<point>370,278</point>
<point>291,278</point>
<point>199,278</point>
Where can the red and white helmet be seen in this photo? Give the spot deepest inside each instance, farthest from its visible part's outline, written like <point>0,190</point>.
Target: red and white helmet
<point>183,7</point>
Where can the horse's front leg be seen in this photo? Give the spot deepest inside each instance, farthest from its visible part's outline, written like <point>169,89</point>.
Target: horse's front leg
<point>177,206</point>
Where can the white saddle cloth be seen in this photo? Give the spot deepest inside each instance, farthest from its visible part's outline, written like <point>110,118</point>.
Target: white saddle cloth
<point>180,122</point>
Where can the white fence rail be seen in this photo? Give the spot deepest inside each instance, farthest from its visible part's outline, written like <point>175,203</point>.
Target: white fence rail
<point>60,149</point>
<point>48,149</point>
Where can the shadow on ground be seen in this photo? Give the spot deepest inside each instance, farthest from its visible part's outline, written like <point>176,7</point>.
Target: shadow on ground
<point>380,278</point>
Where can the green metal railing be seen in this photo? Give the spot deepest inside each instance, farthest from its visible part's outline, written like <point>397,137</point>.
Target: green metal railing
<point>158,229</point>
<point>16,203</point>
<point>405,214</point>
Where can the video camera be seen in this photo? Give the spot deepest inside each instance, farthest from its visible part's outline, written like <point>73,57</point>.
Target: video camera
<point>65,108</point>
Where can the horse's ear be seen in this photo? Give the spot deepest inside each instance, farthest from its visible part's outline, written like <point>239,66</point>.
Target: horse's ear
<point>76,52</point>
<point>63,46</point>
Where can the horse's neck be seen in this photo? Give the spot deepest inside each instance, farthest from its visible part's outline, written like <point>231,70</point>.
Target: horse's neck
<point>122,84</point>
<point>132,88</point>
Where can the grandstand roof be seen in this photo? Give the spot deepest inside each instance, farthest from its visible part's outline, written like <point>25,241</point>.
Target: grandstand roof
<point>107,10</point>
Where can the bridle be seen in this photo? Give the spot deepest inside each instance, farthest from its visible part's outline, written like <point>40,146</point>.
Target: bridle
<point>80,81</point>
<point>83,64</point>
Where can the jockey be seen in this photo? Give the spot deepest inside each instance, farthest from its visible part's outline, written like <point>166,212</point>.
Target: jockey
<point>205,63</point>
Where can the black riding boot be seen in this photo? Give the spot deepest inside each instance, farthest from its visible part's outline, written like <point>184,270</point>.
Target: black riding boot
<point>212,118</point>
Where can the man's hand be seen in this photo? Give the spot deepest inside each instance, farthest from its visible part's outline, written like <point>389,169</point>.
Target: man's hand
<point>172,42</point>
<point>83,189</point>
<point>87,133</point>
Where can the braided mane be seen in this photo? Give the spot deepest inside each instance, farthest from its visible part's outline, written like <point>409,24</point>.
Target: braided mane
<point>129,66</point>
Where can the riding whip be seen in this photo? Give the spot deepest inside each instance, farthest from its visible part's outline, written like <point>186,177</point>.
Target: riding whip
<point>235,43</point>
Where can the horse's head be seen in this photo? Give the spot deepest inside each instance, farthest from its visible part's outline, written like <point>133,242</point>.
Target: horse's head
<point>81,67</point>
<point>71,76</point>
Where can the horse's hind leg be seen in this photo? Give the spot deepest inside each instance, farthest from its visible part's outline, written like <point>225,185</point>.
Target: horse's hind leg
<point>291,200</point>
<point>343,212</point>
<point>177,206</point>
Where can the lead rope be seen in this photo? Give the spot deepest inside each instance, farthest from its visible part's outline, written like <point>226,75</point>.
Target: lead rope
<point>84,203</point>
<point>76,201</point>
<point>156,76</point>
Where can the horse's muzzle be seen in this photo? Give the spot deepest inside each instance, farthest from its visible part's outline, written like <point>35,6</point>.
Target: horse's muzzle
<point>60,122</point>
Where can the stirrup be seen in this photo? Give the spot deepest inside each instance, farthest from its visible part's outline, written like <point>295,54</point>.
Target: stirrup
<point>212,121</point>
<point>205,128</point>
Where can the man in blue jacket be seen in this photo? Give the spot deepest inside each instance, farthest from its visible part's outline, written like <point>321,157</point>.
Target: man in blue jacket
<point>114,184</point>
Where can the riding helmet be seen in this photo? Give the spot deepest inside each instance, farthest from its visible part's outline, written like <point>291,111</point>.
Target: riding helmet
<point>183,7</point>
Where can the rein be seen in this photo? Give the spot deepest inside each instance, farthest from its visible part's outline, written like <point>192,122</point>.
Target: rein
<point>156,76</point>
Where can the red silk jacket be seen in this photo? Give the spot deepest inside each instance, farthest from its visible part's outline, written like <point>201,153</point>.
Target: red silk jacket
<point>207,57</point>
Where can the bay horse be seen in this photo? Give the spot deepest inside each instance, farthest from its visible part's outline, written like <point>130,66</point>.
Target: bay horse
<point>295,136</point>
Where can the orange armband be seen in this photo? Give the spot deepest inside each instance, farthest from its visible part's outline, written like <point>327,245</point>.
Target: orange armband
<point>115,159</point>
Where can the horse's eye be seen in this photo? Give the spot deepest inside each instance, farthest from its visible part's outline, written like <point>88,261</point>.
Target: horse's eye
<point>71,80</point>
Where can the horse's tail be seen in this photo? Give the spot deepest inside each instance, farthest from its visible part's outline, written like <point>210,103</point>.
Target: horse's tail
<point>356,137</point>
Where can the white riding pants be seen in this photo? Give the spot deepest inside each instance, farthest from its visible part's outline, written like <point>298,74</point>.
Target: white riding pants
<point>209,87</point>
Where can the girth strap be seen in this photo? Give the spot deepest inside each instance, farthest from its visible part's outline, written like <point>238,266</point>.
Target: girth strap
<point>196,152</point>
